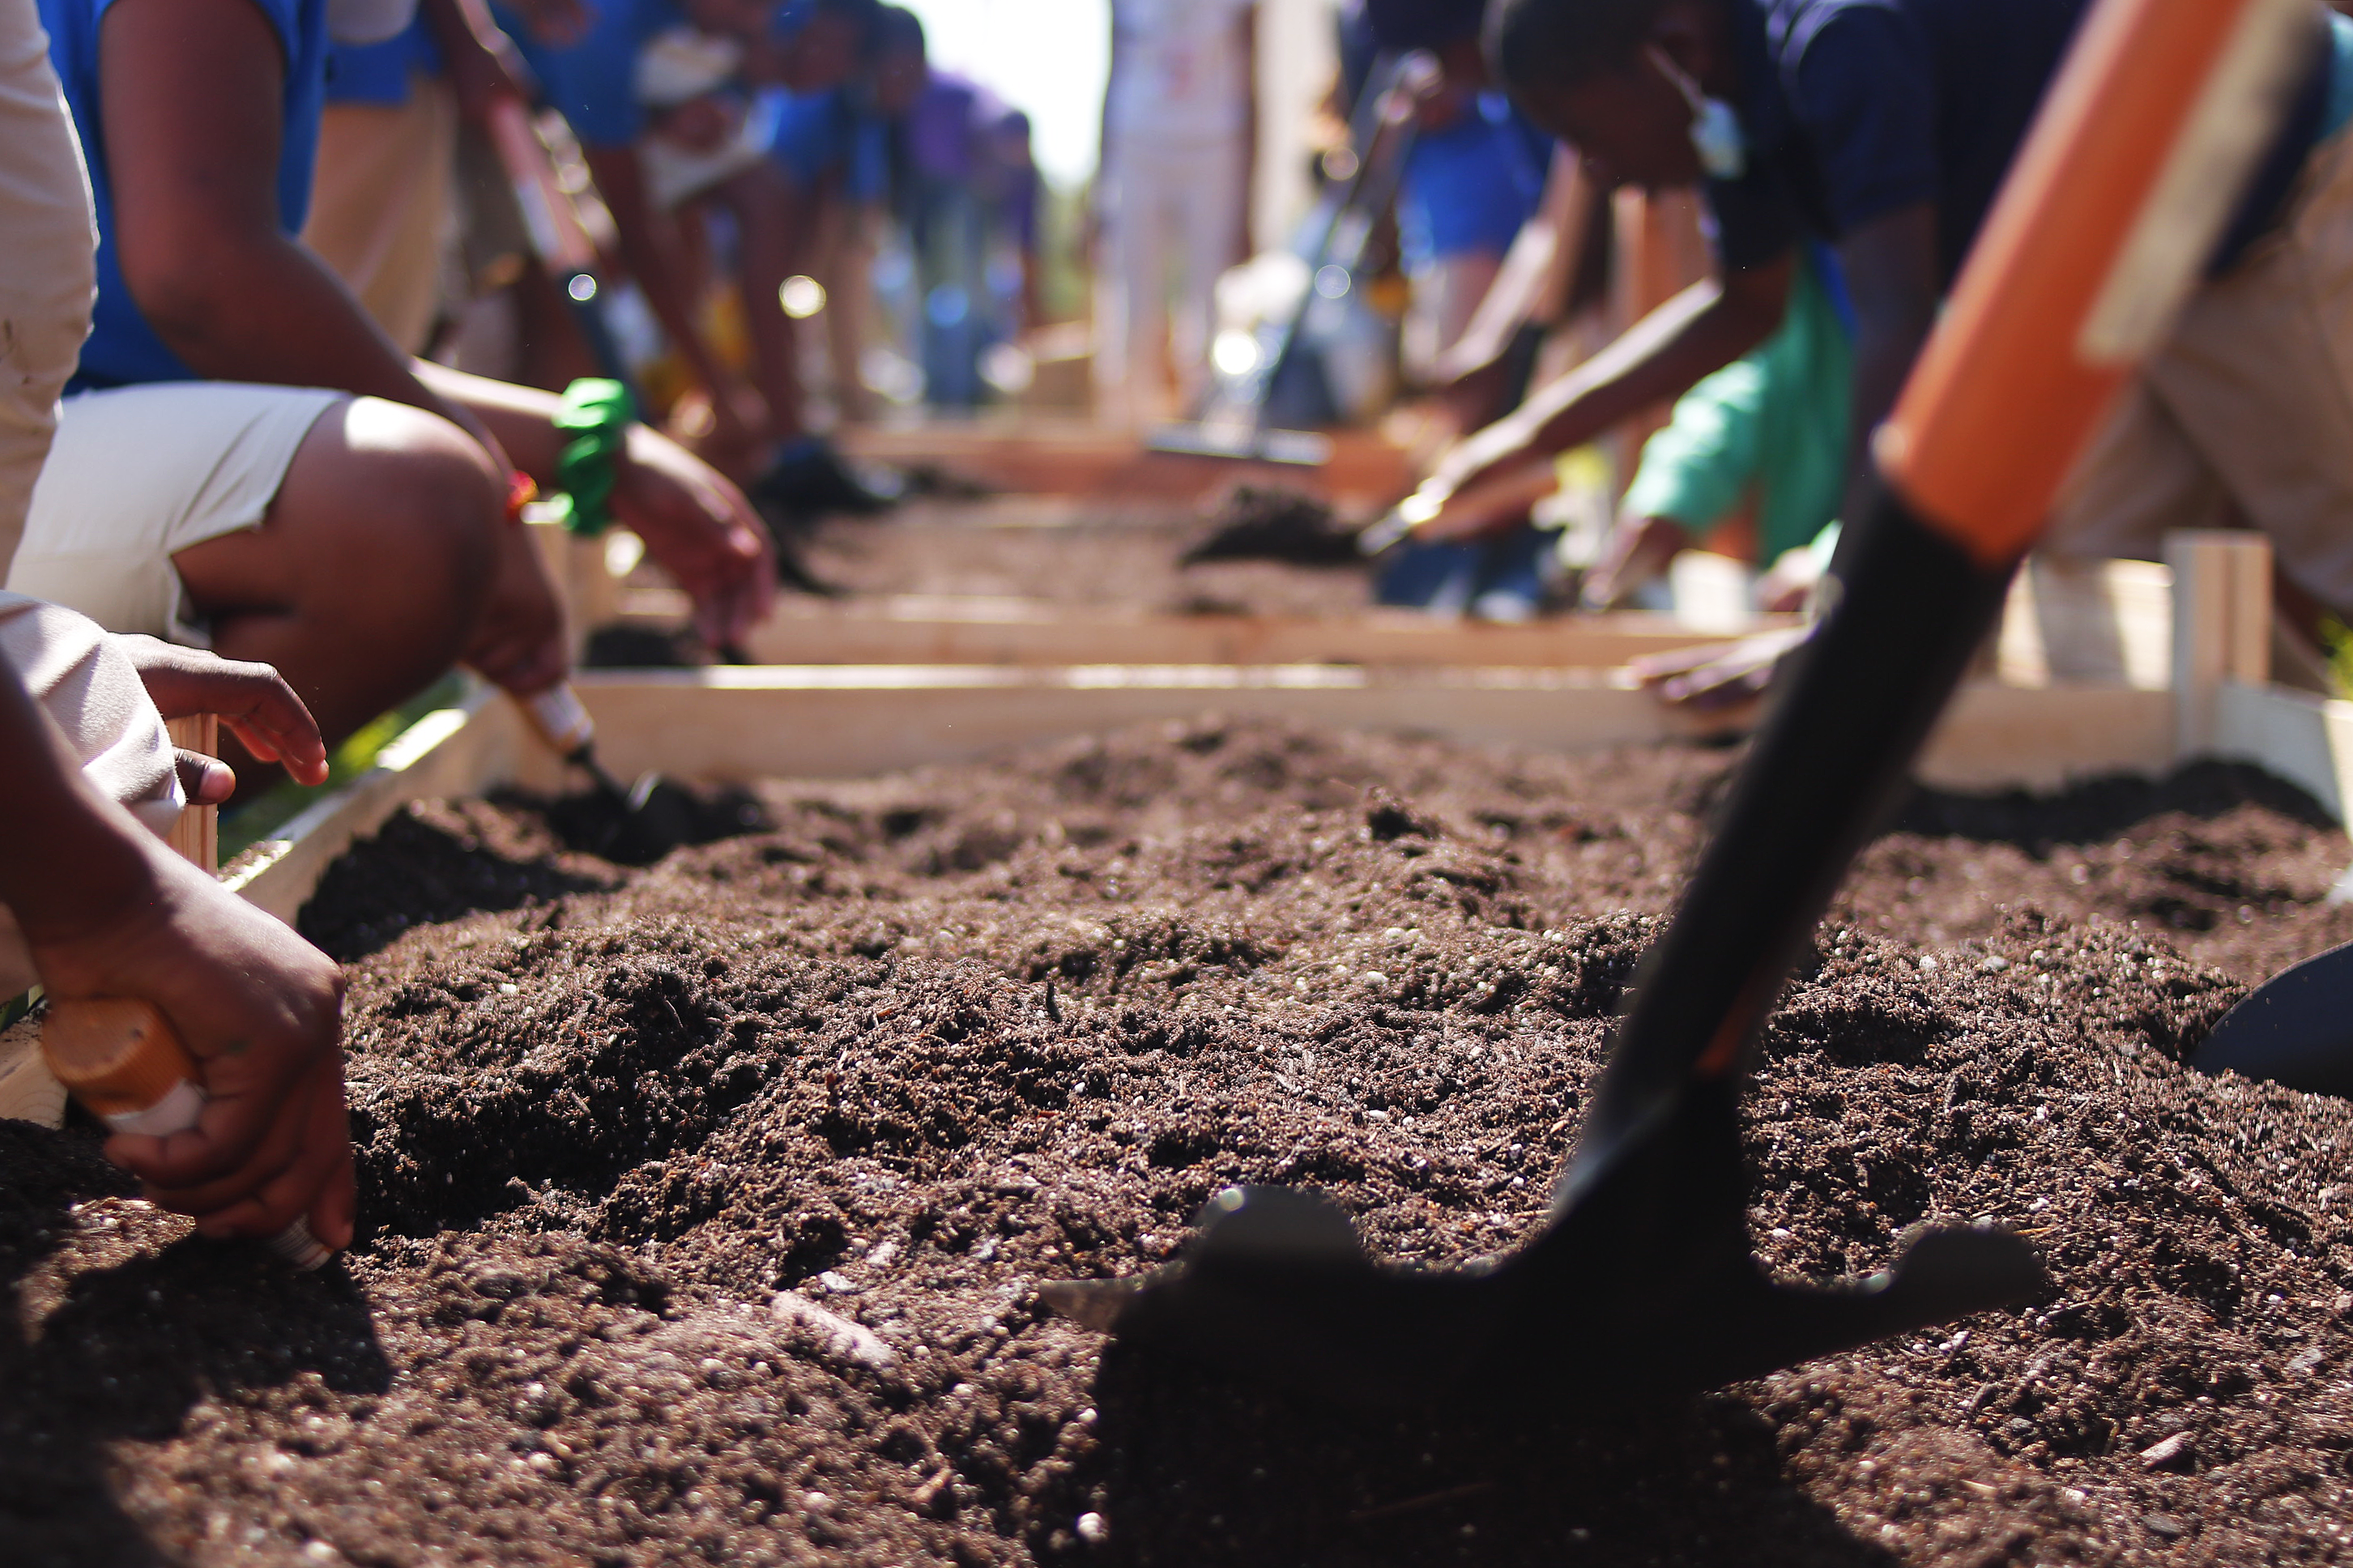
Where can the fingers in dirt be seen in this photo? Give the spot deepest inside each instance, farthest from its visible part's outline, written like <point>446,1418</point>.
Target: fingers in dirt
<point>316,1182</point>
<point>307,1135</point>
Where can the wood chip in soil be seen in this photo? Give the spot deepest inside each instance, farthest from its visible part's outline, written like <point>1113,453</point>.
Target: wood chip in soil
<point>707,1202</point>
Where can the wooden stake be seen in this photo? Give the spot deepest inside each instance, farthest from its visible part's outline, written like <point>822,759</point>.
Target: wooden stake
<point>196,835</point>
<point>2222,626</point>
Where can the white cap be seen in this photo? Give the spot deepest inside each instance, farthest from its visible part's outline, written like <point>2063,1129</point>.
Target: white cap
<point>561,718</point>
<point>300,1248</point>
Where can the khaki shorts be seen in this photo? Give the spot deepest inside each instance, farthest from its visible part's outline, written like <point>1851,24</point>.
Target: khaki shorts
<point>139,473</point>
<point>384,211</point>
<point>2245,417</point>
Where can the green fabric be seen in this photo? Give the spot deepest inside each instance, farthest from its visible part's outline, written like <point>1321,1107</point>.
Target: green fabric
<point>1773,425</point>
<point>594,418</point>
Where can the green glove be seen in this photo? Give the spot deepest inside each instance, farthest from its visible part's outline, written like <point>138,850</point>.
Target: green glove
<point>594,419</point>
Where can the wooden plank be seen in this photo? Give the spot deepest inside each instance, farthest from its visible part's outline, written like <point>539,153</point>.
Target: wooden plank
<point>2095,622</point>
<point>1033,456</point>
<point>196,834</point>
<point>2003,737</point>
<point>910,630</point>
<point>847,722</point>
<point>2222,621</point>
<point>455,752</point>
<point>2304,738</point>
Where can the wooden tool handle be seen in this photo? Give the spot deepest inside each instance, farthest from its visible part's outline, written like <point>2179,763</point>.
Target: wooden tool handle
<point>117,1055</point>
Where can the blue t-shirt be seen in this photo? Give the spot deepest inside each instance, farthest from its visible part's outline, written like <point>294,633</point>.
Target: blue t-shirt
<point>1855,108</point>
<point>813,135</point>
<point>380,74</point>
<point>594,82</point>
<point>1470,185</point>
<point>124,350</point>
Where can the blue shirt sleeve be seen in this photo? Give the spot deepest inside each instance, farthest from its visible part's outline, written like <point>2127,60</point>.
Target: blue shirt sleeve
<point>1862,83</point>
<point>593,83</point>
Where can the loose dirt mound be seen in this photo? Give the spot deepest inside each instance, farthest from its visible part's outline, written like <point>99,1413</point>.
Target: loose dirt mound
<point>708,1202</point>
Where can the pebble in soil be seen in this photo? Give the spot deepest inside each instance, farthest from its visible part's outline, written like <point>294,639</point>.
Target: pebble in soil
<point>930,1040</point>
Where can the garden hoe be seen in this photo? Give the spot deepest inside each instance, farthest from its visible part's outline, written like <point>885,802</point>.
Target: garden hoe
<point>1642,1280</point>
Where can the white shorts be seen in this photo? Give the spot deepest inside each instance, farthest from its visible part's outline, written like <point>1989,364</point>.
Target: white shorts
<point>139,473</point>
<point>676,174</point>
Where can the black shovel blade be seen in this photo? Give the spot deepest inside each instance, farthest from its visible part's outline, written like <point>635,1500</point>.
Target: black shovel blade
<point>1642,1286</point>
<point>2296,1029</point>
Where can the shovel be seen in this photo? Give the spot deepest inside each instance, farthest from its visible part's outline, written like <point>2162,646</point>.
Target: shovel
<point>1285,384</point>
<point>640,823</point>
<point>2296,1029</point>
<point>1642,1280</point>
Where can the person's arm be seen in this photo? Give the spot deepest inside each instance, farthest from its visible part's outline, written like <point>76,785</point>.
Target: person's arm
<point>191,126</point>
<point>1528,286</point>
<point>191,121</point>
<point>108,910</point>
<point>1692,474</point>
<point>482,62</point>
<point>695,523</point>
<point>649,253</point>
<point>1701,329</point>
<point>1890,270</point>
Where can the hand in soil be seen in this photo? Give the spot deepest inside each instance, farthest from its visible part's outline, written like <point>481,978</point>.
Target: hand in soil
<point>261,1010</point>
<point>1640,548</point>
<point>702,530</point>
<point>1719,677</point>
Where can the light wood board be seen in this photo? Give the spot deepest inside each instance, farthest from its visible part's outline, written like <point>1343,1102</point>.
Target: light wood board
<point>1042,456</point>
<point>912,630</point>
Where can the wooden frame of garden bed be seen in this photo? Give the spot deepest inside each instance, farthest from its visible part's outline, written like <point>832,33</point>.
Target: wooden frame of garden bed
<point>850,720</point>
<point>1033,454</point>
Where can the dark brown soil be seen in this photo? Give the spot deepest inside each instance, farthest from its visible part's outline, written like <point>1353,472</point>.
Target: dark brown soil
<point>1128,555</point>
<point>937,1038</point>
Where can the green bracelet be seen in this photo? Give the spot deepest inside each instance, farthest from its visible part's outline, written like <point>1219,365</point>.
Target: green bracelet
<point>594,419</point>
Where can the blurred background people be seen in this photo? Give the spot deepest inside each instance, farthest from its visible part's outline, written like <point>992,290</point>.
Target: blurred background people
<point>1172,198</point>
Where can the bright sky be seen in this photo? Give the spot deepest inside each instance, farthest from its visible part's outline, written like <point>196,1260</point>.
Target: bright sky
<point>1050,58</point>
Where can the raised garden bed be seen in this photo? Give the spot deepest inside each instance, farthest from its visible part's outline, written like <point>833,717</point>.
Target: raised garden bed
<point>940,1034</point>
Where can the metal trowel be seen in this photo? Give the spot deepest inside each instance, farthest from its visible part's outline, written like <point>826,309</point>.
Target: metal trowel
<point>650,818</point>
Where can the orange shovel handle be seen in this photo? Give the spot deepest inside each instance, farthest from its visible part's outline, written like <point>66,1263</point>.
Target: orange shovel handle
<point>2133,167</point>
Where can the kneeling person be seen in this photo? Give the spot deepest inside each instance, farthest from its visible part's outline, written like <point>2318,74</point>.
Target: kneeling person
<point>244,457</point>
